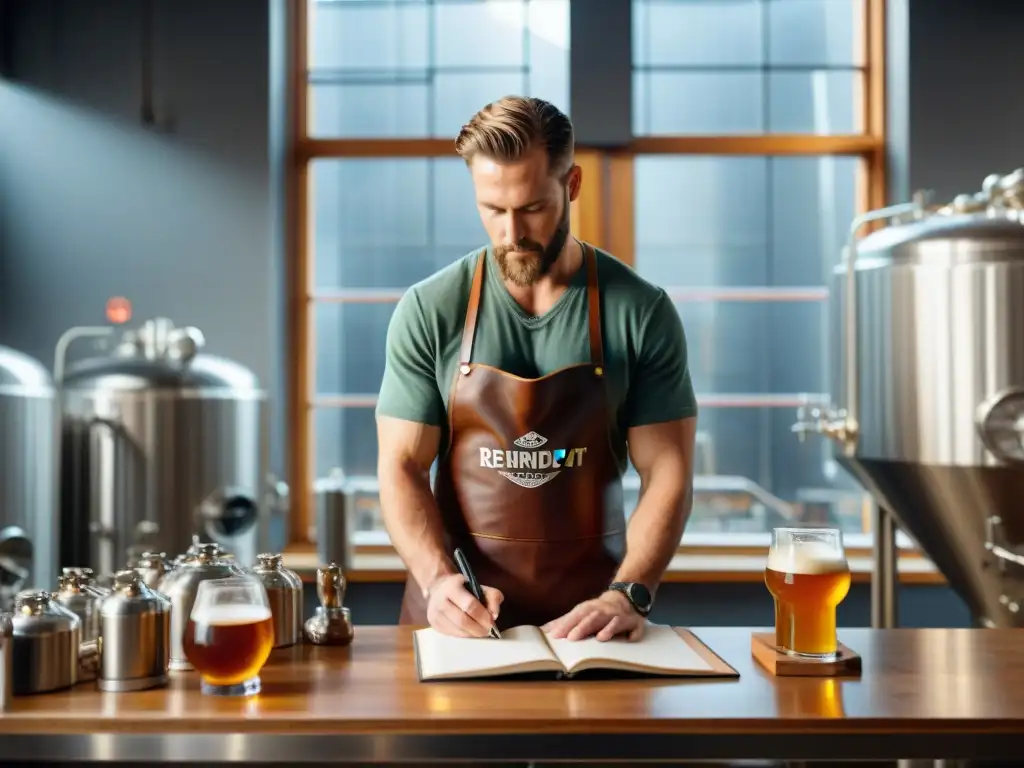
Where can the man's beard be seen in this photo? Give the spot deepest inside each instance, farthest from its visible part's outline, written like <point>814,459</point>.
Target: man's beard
<point>527,261</point>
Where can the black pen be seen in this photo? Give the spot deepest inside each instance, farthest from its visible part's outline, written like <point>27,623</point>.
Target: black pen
<point>474,585</point>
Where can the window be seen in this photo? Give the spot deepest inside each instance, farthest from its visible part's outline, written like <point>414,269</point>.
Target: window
<point>757,135</point>
<point>746,67</point>
<point>420,68</point>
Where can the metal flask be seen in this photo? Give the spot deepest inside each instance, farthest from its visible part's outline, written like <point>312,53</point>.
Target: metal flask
<point>180,586</point>
<point>46,644</point>
<point>152,567</point>
<point>136,625</point>
<point>77,593</point>
<point>284,592</point>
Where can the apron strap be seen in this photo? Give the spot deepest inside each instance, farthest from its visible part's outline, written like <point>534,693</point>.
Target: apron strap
<point>593,307</point>
<point>469,329</point>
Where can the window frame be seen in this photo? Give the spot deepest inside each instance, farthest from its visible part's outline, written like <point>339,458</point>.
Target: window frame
<point>603,214</point>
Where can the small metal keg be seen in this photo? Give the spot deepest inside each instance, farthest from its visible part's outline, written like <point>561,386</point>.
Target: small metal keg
<point>46,644</point>
<point>284,593</point>
<point>77,592</point>
<point>135,623</point>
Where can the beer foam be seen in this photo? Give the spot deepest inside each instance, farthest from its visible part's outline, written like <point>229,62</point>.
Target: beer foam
<point>807,560</point>
<point>228,615</point>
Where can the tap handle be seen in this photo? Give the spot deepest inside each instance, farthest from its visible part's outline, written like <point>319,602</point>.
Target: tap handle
<point>330,586</point>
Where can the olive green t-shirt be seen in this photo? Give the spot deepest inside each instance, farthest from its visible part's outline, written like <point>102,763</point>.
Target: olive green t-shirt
<point>645,359</point>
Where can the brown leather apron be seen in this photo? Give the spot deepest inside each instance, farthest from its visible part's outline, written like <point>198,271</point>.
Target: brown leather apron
<point>528,486</point>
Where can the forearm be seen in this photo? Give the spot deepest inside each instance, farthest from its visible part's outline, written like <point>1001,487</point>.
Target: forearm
<point>656,526</point>
<point>413,522</point>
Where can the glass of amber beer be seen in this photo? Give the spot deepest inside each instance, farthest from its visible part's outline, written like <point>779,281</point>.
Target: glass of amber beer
<point>229,635</point>
<point>808,576</point>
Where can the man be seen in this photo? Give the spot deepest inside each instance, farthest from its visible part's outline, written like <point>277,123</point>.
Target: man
<point>531,370</point>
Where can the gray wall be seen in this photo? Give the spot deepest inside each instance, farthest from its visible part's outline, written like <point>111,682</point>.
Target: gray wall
<point>185,219</point>
<point>964,109</point>
<point>187,223</point>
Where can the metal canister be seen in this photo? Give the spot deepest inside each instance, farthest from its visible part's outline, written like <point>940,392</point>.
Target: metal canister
<point>152,566</point>
<point>46,644</point>
<point>335,520</point>
<point>284,592</point>
<point>77,593</point>
<point>181,584</point>
<point>136,626</point>
<point>6,661</point>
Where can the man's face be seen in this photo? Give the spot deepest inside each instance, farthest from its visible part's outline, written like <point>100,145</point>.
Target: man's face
<point>525,210</point>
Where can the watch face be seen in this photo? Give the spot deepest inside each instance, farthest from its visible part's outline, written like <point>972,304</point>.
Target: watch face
<point>640,595</point>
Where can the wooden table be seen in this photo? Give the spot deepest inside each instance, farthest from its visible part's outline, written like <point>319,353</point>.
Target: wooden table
<point>923,694</point>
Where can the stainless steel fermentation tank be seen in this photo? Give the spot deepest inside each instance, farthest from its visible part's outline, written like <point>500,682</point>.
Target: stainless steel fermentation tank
<point>930,383</point>
<point>28,502</point>
<point>159,443</point>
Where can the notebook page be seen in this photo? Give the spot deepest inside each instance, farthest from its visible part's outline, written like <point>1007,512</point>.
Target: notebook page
<point>661,647</point>
<point>443,655</point>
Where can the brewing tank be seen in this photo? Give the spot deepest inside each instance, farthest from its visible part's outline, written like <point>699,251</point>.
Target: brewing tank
<point>161,442</point>
<point>928,384</point>
<point>28,504</point>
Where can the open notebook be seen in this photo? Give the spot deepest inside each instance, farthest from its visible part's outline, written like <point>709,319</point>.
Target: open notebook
<point>663,651</point>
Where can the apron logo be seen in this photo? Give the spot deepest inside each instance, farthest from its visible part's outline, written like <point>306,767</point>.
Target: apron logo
<point>531,468</point>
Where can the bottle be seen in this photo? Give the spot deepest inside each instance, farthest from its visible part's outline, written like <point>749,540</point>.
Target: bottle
<point>332,622</point>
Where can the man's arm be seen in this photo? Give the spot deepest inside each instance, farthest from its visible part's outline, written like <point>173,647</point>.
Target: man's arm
<point>661,413</point>
<point>406,449</point>
<point>663,457</point>
<point>410,411</point>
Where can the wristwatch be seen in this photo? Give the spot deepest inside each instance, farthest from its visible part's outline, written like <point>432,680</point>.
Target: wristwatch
<point>638,595</point>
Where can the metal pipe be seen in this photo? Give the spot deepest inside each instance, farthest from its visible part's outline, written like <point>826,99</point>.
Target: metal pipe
<point>886,573</point>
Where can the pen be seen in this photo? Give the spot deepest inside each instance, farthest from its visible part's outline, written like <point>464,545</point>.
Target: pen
<point>474,585</point>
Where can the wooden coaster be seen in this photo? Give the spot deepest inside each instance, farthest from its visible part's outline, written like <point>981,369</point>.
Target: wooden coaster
<point>762,646</point>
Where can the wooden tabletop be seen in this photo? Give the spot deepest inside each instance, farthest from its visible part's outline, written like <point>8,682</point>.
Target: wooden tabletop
<point>913,680</point>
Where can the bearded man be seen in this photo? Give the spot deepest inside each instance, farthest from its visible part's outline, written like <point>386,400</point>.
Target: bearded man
<point>532,371</point>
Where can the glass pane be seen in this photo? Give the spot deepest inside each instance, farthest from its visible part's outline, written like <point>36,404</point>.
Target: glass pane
<point>387,109</point>
<point>699,103</point>
<point>369,36</point>
<point>479,34</point>
<point>815,32</point>
<point>745,245</point>
<point>741,347</point>
<point>345,438</point>
<point>727,32</point>
<point>350,346</point>
<point>378,222</point>
<point>416,69</point>
<point>815,101</point>
<point>746,66</point>
<point>668,103</point>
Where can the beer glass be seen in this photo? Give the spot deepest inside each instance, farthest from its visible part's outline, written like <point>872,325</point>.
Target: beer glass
<point>808,576</point>
<point>229,635</point>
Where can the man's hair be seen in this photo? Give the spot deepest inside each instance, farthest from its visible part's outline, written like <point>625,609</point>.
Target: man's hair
<point>509,128</point>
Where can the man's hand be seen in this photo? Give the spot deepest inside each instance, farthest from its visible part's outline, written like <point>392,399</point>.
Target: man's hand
<point>452,609</point>
<point>606,616</point>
